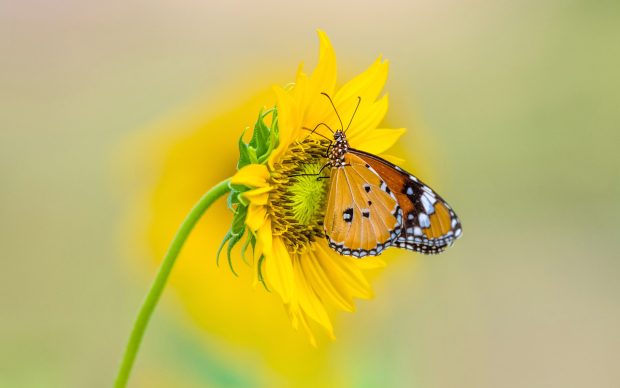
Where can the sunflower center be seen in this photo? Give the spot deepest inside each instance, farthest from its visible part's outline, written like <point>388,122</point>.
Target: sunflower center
<point>297,205</point>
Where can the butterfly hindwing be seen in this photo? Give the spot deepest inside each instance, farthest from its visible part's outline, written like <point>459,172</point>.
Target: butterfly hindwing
<point>362,216</point>
<point>429,225</point>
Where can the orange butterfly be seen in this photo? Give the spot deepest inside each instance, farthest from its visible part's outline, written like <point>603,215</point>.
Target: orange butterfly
<point>374,204</point>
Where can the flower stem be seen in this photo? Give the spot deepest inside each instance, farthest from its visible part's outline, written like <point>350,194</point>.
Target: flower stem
<point>162,276</point>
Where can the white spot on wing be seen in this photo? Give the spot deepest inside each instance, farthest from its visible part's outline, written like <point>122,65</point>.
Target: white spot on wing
<point>425,222</point>
<point>427,204</point>
<point>427,189</point>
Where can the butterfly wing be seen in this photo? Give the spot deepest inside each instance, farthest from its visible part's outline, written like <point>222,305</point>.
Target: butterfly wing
<point>429,223</point>
<point>362,216</point>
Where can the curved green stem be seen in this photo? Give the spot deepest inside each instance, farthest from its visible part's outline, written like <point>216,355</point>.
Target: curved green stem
<point>162,276</point>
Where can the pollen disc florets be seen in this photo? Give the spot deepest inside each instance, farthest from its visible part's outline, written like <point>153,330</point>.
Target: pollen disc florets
<point>297,205</point>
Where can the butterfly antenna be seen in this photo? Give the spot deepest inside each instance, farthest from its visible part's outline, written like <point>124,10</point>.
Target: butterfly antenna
<point>334,106</point>
<point>317,126</point>
<point>359,101</point>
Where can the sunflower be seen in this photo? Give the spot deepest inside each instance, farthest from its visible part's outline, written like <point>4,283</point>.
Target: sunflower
<point>279,203</point>
<point>278,206</point>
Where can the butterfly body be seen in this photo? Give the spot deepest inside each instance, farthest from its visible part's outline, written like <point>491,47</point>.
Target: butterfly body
<point>374,204</point>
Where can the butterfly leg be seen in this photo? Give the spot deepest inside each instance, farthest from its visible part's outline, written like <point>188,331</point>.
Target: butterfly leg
<point>318,174</point>
<point>329,147</point>
<point>321,170</point>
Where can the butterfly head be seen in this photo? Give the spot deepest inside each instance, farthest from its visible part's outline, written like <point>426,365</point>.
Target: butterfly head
<point>338,149</point>
<point>339,136</point>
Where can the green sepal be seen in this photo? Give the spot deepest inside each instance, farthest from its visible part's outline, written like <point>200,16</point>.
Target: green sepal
<point>227,237</point>
<point>244,153</point>
<point>273,136</point>
<point>257,151</point>
<point>260,272</point>
<point>264,140</point>
<point>249,241</point>
<point>262,137</point>
<point>231,243</point>
<point>238,223</point>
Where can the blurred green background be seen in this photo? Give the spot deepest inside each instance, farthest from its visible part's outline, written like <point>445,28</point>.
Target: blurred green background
<point>520,105</point>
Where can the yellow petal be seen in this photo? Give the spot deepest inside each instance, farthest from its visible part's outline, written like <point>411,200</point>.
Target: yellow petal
<point>297,316</point>
<point>258,196</point>
<point>301,92</point>
<point>324,75</point>
<point>264,238</point>
<point>367,85</point>
<point>252,175</point>
<point>344,267</point>
<point>311,303</point>
<point>367,118</point>
<point>325,283</point>
<point>279,271</point>
<point>378,140</point>
<point>257,214</point>
<point>315,107</point>
<point>289,122</point>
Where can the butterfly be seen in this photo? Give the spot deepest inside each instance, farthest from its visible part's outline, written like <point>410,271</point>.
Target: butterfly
<point>373,204</point>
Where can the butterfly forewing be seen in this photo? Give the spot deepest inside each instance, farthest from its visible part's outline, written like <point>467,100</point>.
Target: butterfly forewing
<point>362,216</point>
<point>429,224</point>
